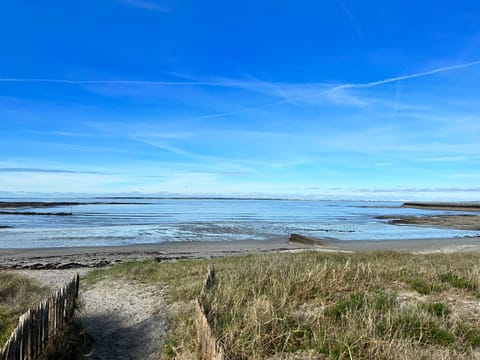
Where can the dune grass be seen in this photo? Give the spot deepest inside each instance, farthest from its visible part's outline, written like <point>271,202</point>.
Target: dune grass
<point>17,295</point>
<point>324,305</point>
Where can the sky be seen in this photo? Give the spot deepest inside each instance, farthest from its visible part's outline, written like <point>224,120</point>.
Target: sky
<point>328,99</point>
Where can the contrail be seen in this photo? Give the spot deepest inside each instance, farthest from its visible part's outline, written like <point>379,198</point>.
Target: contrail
<point>405,77</point>
<point>351,18</point>
<point>242,84</point>
<point>128,82</point>
<point>346,86</point>
<point>232,83</point>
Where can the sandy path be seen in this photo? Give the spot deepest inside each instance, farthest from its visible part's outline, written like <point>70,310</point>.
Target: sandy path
<point>127,320</point>
<point>54,279</point>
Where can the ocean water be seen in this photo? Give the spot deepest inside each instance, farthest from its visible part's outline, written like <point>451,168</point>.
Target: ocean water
<point>141,221</point>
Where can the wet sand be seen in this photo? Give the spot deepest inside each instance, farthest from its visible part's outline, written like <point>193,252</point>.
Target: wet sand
<point>66,258</point>
<point>461,222</point>
<point>450,221</point>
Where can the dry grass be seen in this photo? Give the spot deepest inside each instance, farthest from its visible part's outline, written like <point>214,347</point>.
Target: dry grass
<point>17,295</point>
<point>317,305</point>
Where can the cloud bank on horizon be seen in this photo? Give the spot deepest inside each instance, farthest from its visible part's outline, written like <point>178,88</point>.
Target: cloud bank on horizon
<point>335,99</point>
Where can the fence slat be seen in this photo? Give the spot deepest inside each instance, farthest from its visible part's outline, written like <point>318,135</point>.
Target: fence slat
<point>210,348</point>
<point>41,324</point>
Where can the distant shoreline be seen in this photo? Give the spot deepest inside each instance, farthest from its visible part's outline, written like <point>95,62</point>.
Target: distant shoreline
<point>454,206</point>
<point>48,204</point>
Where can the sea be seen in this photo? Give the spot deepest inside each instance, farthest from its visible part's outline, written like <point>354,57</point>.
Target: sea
<point>127,221</point>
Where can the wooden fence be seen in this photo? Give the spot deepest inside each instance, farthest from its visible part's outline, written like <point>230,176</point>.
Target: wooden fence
<point>209,347</point>
<point>40,325</point>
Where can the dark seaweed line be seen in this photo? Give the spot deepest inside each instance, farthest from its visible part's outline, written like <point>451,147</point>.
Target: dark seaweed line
<point>35,213</point>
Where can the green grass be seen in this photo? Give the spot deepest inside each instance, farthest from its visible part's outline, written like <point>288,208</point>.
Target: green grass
<point>17,295</point>
<point>458,282</point>
<point>423,286</point>
<point>378,305</point>
<point>437,309</point>
<point>470,335</point>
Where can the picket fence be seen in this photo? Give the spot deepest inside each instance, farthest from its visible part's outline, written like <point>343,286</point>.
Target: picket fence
<point>38,326</point>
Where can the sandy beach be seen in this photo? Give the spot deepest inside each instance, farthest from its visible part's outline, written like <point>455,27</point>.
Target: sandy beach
<point>94,257</point>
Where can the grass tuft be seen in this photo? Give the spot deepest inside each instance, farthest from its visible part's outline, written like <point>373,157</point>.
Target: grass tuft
<point>458,282</point>
<point>17,295</point>
<point>438,309</point>
<point>469,334</point>
<point>423,286</point>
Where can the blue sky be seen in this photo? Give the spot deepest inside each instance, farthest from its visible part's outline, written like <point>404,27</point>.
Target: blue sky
<point>336,98</point>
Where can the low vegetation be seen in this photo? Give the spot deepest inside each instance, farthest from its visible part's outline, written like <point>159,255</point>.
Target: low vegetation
<point>383,305</point>
<point>17,295</point>
<point>73,343</point>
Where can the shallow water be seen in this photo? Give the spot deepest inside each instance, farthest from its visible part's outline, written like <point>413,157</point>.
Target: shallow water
<point>158,220</point>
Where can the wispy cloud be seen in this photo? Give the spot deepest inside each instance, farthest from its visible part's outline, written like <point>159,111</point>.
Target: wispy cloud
<point>467,176</point>
<point>458,158</point>
<point>231,83</point>
<point>49,171</point>
<point>388,141</point>
<point>352,19</point>
<point>253,85</point>
<point>62,133</point>
<point>155,134</point>
<point>396,103</point>
<point>165,146</point>
<point>147,4</point>
<point>415,190</point>
<point>310,93</point>
<point>336,93</point>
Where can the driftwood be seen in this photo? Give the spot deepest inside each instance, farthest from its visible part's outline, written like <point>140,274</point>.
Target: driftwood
<point>306,240</point>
